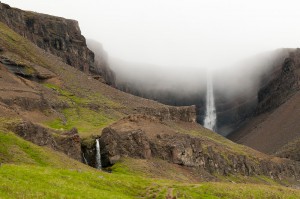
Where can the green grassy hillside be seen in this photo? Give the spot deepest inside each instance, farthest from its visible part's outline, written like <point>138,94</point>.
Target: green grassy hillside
<point>27,181</point>
<point>29,171</point>
<point>15,150</point>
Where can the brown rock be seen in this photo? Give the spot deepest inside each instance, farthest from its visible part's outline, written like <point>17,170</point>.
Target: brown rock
<point>68,143</point>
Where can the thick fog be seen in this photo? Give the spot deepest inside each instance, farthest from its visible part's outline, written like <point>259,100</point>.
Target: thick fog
<point>168,45</point>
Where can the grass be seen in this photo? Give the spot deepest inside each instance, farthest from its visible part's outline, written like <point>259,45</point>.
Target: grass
<point>88,122</point>
<point>28,181</point>
<point>30,171</point>
<point>15,150</point>
<point>18,48</point>
<point>90,112</point>
<point>43,182</point>
<point>80,114</point>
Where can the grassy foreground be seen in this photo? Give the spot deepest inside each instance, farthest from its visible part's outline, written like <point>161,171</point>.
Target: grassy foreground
<point>29,171</point>
<point>28,181</point>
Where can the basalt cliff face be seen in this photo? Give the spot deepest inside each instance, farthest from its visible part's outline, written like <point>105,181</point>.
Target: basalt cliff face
<point>274,123</point>
<point>68,142</point>
<point>282,83</point>
<point>59,36</point>
<point>144,137</point>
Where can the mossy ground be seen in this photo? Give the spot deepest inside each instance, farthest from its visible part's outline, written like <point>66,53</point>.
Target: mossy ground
<point>15,150</point>
<point>88,113</point>
<point>27,181</point>
<point>30,171</point>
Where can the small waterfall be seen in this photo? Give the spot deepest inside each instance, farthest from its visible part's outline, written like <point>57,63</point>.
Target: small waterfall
<point>98,155</point>
<point>210,115</point>
<point>84,159</point>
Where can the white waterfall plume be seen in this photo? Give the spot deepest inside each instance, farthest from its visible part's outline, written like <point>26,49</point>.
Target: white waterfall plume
<point>210,115</point>
<point>98,155</point>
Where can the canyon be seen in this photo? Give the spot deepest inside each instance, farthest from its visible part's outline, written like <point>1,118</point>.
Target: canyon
<point>58,95</point>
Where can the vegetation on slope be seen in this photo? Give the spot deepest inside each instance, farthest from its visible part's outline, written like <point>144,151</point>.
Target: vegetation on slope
<point>15,150</point>
<point>86,110</point>
<point>86,113</point>
<point>25,181</point>
<point>29,171</point>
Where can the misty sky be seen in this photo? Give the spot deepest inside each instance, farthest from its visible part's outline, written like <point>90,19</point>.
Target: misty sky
<point>188,34</point>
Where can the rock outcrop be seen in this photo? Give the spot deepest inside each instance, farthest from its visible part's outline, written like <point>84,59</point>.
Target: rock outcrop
<point>274,123</point>
<point>130,138</point>
<point>68,142</point>
<point>182,113</point>
<point>59,36</point>
<point>281,84</point>
<point>187,150</point>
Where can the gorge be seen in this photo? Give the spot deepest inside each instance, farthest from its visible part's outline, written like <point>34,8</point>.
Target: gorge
<point>63,121</point>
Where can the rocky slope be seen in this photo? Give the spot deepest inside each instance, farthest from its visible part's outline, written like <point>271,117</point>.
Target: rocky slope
<point>39,89</point>
<point>59,36</point>
<point>290,150</point>
<point>143,137</point>
<point>275,123</point>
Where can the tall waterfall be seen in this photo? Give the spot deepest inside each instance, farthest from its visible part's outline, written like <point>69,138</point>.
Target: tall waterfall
<point>210,115</point>
<point>98,155</point>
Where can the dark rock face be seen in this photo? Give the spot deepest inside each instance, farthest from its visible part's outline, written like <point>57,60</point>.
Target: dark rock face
<point>183,113</point>
<point>68,142</point>
<point>101,61</point>
<point>281,85</point>
<point>188,151</point>
<point>59,36</point>
<point>33,73</point>
<point>114,145</point>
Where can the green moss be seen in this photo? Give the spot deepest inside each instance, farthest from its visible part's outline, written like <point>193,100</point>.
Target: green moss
<point>38,182</point>
<point>91,98</point>
<point>6,122</point>
<point>19,48</point>
<point>88,122</point>
<point>89,142</point>
<point>79,115</point>
<point>14,149</point>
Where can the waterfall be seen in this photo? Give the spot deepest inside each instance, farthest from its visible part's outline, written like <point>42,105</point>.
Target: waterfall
<point>210,115</point>
<point>98,155</point>
<point>84,159</point>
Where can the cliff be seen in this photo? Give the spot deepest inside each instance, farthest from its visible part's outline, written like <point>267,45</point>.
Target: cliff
<point>274,123</point>
<point>59,36</point>
<point>143,137</point>
<point>281,84</point>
